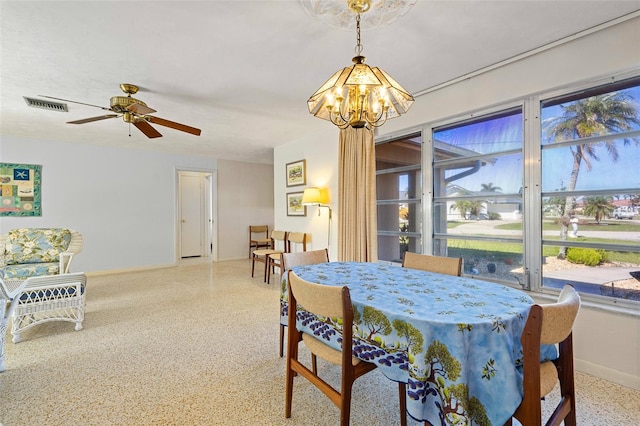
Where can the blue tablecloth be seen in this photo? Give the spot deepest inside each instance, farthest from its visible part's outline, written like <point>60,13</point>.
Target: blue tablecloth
<point>454,340</point>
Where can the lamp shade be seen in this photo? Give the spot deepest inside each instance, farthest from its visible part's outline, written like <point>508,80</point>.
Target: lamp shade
<point>313,195</point>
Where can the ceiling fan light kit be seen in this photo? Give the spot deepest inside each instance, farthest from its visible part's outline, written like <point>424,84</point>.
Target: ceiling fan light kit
<point>133,111</point>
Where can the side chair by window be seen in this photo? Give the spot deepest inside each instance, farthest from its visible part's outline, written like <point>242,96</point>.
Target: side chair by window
<point>438,264</point>
<point>549,324</point>
<point>291,260</point>
<point>278,239</point>
<point>295,241</point>
<point>258,237</point>
<point>329,302</point>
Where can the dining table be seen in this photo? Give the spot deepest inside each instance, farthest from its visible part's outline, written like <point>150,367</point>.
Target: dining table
<point>455,341</point>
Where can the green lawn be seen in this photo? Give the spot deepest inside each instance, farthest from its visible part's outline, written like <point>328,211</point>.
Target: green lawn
<point>605,225</point>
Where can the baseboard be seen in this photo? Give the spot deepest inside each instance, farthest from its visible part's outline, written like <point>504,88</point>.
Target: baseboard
<point>609,374</point>
<point>127,270</point>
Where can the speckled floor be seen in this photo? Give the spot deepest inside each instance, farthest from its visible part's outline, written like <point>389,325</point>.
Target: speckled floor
<point>197,345</point>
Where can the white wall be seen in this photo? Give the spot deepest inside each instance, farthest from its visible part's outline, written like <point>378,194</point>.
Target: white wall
<point>245,197</point>
<point>606,343</point>
<point>321,155</point>
<point>124,201</point>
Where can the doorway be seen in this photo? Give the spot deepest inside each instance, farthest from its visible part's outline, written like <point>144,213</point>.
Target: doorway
<point>195,228</point>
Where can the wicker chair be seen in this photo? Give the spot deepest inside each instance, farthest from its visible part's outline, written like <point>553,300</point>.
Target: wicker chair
<point>49,298</point>
<point>547,325</point>
<point>438,264</point>
<point>9,291</point>
<point>28,252</point>
<point>328,302</point>
<point>291,260</point>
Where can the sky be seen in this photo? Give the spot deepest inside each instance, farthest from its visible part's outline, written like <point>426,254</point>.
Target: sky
<point>505,133</point>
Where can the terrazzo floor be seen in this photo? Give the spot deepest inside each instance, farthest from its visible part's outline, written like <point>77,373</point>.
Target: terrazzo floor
<point>198,345</point>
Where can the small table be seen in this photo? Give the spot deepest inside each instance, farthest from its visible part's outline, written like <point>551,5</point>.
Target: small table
<point>9,290</point>
<point>455,341</point>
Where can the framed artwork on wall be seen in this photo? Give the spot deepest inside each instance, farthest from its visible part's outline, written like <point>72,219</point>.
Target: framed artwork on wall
<point>297,173</point>
<point>294,204</point>
<point>20,189</point>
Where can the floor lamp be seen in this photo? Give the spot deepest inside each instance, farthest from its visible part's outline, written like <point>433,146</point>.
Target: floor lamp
<point>318,197</point>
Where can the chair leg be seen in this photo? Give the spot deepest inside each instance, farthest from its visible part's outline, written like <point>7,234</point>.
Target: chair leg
<point>281,340</point>
<point>402,394</point>
<point>253,264</point>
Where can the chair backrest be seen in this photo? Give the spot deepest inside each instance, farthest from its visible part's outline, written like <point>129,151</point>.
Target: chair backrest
<point>259,229</point>
<point>279,236</point>
<point>558,318</point>
<point>323,300</point>
<point>296,238</point>
<point>313,257</point>
<point>438,264</point>
<point>549,324</point>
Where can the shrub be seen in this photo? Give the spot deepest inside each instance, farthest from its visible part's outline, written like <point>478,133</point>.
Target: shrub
<point>494,216</point>
<point>585,256</point>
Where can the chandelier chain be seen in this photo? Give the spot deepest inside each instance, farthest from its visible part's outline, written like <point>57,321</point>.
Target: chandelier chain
<point>358,48</point>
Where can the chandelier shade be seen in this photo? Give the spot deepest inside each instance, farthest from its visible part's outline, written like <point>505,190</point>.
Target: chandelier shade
<point>359,95</point>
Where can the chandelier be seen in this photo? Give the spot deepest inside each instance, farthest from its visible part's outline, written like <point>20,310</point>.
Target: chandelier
<point>359,95</point>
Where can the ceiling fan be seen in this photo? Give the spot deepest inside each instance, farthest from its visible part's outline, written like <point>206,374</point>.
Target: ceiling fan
<point>132,111</point>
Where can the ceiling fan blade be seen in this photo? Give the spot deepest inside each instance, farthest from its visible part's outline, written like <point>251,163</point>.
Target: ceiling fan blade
<point>89,120</point>
<point>76,102</point>
<point>174,125</point>
<point>140,109</point>
<point>146,128</point>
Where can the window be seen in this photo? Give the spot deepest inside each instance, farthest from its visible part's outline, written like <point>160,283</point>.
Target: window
<point>591,186</point>
<point>399,197</point>
<point>477,187</point>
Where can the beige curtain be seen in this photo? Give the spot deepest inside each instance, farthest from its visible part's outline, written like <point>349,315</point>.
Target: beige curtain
<point>357,225</point>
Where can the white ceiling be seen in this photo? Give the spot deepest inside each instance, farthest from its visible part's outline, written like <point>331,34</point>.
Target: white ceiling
<point>242,70</point>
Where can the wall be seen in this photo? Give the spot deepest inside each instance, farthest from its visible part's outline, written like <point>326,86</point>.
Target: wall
<point>321,155</point>
<point>124,201</point>
<point>607,344</point>
<point>245,197</point>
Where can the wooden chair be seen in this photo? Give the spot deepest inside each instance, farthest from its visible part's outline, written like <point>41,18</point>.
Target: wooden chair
<point>291,260</point>
<point>294,239</point>
<point>278,238</point>
<point>438,264</point>
<point>330,302</point>
<point>546,325</point>
<point>258,237</point>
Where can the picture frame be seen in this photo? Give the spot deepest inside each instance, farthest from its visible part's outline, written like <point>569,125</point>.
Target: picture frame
<point>294,204</point>
<point>20,186</point>
<point>297,173</point>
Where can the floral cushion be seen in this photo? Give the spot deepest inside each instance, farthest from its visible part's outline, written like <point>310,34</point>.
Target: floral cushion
<point>26,270</point>
<point>36,245</point>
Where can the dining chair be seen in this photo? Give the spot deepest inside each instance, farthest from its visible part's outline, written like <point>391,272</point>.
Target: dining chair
<point>438,264</point>
<point>258,237</point>
<point>295,242</point>
<point>278,239</point>
<point>334,304</point>
<point>291,260</point>
<point>546,325</point>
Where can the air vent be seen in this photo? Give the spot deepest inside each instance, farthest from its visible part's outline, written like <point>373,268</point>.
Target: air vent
<point>39,103</point>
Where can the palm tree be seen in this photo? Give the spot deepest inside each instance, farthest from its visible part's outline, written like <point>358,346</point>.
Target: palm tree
<point>471,206</point>
<point>488,187</point>
<point>597,115</point>
<point>594,116</point>
<point>598,207</point>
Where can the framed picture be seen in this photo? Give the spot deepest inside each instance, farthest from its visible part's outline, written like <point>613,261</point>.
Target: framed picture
<point>297,173</point>
<point>294,204</point>
<point>20,190</point>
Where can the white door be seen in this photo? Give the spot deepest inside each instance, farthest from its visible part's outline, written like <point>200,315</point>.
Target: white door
<point>192,208</point>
